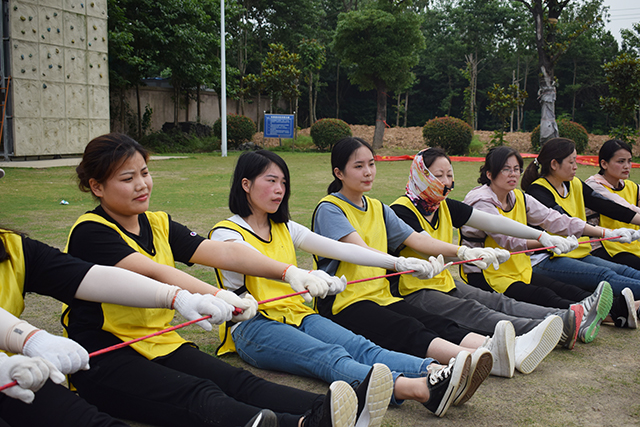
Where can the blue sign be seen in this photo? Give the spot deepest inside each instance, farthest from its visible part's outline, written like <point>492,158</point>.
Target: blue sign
<point>278,125</point>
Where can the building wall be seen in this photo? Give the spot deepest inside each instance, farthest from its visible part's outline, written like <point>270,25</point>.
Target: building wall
<point>60,76</point>
<point>160,99</point>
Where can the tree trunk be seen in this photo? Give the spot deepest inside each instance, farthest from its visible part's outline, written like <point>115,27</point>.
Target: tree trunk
<point>406,107</point>
<point>575,91</point>
<point>315,101</point>
<point>547,96</point>
<point>381,115</point>
<point>337,91</point>
<point>472,60</point>
<point>139,112</point>
<point>198,104</point>
<point>311,118</point>
<point>398,111</point>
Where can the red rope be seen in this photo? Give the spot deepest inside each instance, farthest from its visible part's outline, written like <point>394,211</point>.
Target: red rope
<point>190,322</point>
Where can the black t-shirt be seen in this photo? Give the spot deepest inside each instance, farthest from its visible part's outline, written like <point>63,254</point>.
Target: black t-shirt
<point>51,272</point>
<point>460,214</point>
<point>103,245</point>
<point>592,200</point>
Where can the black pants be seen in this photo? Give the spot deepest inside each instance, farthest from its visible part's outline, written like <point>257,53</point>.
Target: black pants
<point>542,290</point>
<point>625,258</point>
<point>399,326</point>
<point>54,406</point>
<point>187,387</point>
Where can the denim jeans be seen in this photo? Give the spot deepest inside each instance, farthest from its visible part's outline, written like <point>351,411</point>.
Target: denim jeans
<point>319,348</point>
<point>588,272</point>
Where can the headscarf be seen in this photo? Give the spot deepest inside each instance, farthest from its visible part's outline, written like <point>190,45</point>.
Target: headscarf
<point>424,189</point>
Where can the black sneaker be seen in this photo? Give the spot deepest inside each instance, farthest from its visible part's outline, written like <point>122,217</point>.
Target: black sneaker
<point>264,418</point>
<point>337,409</point>
<point>443,382</point>
<point>623,310</point>
<point>374,394</point>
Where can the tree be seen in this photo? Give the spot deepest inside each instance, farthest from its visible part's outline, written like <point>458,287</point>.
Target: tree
<point>631,40</point>
<point>380,46</point>
<point>280,74</point>
<point>501,104</point>
<point>552,39</point>
<point>312,55</point>
<point>623,78</point>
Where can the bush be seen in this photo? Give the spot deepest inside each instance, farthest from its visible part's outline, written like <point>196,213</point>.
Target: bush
<point>566,129</point>
<point>240,129</point>
<point>451,134</point>
<point>175,141</point>
<point>326,132</point>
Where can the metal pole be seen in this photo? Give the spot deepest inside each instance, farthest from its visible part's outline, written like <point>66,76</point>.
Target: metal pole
<point>223,82</point>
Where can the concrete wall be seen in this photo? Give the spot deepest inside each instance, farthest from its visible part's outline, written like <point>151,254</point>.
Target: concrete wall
<point>60,77</point>
<point>160,99</point>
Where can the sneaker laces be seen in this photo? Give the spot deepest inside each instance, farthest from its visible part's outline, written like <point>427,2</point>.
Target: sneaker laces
<point>441,374</point>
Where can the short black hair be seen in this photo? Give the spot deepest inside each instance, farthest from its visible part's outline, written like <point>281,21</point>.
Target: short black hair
<point>609,148</point>
<point>251,164</point>
<point>495,161</point>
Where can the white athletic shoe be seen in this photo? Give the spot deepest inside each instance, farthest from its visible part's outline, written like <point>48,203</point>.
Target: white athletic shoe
<point>374,394</point>
<point>502,348</point>
<point>536,344</point>
<point>479,370</point>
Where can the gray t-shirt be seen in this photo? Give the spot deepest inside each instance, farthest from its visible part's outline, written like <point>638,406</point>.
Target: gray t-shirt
<point>330,221</point>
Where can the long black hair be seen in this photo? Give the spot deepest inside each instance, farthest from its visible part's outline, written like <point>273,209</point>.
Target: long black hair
<point>251,164</point>
<point>340,155</point>
<point>556,149</point>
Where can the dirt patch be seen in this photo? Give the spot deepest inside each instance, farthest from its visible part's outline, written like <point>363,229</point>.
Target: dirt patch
<point>410,138</point>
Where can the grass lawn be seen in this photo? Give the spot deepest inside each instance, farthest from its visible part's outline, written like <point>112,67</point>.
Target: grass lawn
<point>595,384</point>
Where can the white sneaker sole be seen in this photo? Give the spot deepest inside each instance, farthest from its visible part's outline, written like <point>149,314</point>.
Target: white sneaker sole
<point>378,397</point>
<point>632,319</point>
<point>481,365</point>
<point>459,375</point>
<point>344,404</point>
<point>504,344</point>
<point>546,337</point>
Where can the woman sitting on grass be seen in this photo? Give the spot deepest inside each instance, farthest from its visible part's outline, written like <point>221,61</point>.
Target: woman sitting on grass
<point>612,181</point>
<point>289,336</point>
<point>368,308</point>
<point>167,380</point>
<point>426,208</point>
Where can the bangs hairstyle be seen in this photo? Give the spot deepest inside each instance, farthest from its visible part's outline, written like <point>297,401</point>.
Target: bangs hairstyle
<point>103,156</point>
<point>609,148</point>
<point>430,155</point>
<point>250,165</point>
<point>494,162</point>
<point>340,155</point>
<point>556,149</point>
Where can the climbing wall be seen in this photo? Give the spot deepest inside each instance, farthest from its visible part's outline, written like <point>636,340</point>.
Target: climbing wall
<point>60,76</point>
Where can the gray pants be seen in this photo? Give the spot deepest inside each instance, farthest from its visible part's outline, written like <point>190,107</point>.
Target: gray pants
<point>479,310</point>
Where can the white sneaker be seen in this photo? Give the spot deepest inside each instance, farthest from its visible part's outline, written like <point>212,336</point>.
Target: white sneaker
<point>481,365</point>
<point>536,344</point>
<point>502,348</point>
<point>374,394</point>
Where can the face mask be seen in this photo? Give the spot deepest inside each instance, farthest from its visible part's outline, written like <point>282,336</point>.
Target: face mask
<point>424,189</point>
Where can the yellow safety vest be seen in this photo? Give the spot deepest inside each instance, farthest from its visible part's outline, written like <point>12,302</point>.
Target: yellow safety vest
<point>573,205</point>
<point>369,224</point>
<point>128,323</point>
<point>630,193</point>
<point>444,281</point>
<point>289,310</point>
<point>12,272</point>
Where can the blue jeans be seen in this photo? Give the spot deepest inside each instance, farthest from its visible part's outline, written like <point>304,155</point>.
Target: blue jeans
<point>319,348</point>
<point>588,272</point>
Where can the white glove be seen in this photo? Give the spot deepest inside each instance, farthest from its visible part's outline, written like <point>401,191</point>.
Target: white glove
<point>636,235</point>
<point>248,304</point>
<point>66,355</point>
<point>562,244</point>
<point>626,235</point>
<point>30,372</point>
<point>489,256</point>
<point>195,306</point>
<point>336,285</point>
<point>301,280</point>
<point>422,269</point>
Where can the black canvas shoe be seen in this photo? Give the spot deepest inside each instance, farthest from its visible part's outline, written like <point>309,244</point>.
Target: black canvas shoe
<point>623,310</point>
<point>443,383</point>
<point>337,409</point>
<point>264,418</point>
<point>374,394</point>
